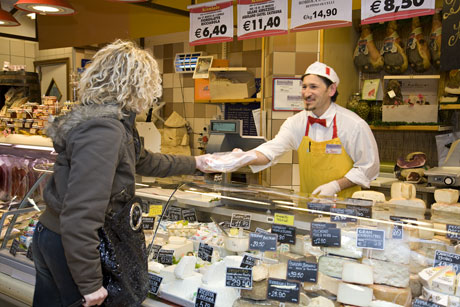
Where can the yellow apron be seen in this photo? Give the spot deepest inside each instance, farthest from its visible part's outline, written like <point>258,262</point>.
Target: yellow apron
<point>323,162</point>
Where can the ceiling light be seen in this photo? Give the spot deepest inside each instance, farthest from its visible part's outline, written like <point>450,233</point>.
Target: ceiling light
<point>46,7</point>
<point>128,0</point>
<point>7,20</point>
<point>32,15</point>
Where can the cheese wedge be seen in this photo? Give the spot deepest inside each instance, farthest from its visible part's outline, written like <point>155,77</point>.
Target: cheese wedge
<point>186,267</point>
<point>354,294</point>
<point>383,304</point>
<point>445,282</point>
<point>435,297</point>
<point>403,190</point>
<point>325,285</point>
<point>446,196</point>
<point>370,195</point>
<point>387,273</point>
<point>401,296</point>
<point>332,265</point>
<point>357,273</point>
<point>428,274</point>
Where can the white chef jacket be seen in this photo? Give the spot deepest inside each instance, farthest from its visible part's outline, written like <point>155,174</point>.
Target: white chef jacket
<point>353,132</point>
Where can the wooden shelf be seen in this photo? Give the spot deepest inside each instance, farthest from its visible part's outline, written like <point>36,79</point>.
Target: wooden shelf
<point>245,100</point>
<point>228,69</point>
<point>412,128</point>
<point>407,77</point>
<point>451,106</point>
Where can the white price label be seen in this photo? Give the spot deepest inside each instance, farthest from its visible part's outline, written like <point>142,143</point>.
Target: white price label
<point>261,18</point>
<point>322,14</point>
<point>211,22</point>
<point>384,10</point>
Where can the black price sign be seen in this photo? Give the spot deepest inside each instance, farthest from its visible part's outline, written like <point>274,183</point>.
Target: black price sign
<point>397,232</point>
<point>260,230</point>
<point>154,283</point>
<point>418,302</point>
<point>342,218</point>
<point>326,237</point>
<point>262,241</point>
<point>361,211</point>
<point>239,278</point>
<point>302,271</point>
<point>360,202</point>
<point>205,298</point>
<point>174,213</point>
<point>402,219</point>
<point>148,222</point>
<point>442,258</point>
<point>189,215</point>
<point>14,247</point>
<point>370,238</point>
<point>283,290</point>
<point>248,262</point>
<point>240,220</point>
<point>453,232</point>
<point>155,250</point>
<point>29,253</point>
<point>319,207</point>
<point>286,234</point>
<point>165,256</point>
<point>321,225</point>
<point>205,252</point>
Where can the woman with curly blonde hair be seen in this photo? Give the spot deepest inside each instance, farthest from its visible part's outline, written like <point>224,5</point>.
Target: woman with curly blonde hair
<point>99,153</point>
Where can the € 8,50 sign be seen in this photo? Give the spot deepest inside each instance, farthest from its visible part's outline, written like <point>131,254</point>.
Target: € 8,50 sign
<point>384,10</point>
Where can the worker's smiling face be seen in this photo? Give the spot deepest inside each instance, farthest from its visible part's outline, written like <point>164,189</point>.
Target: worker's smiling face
<point>316,94</point>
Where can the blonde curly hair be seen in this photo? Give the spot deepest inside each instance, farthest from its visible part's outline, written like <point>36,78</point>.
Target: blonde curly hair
<point>124,74</point>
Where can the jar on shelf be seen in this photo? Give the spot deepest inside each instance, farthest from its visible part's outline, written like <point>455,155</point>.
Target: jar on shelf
<point>353,101</point>
<point>375,113</point>
<point>363,109</point>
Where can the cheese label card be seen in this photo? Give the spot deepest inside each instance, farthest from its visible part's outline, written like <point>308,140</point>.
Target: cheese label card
<point>319,207</point>
<point>343,215</point>
<point>14,247</point>
<point>155,210</point>
<point>283,290</point>
<point>335,149</point>
<point>240,220</point>
<point>442,258</point>
<point>154,283</point>
<point>284,219</point>
<point>262,241</point>
<point>402,219</point>
<point>321,225</point>
<point>189,215</point>
<point>397,232</point>
<point>165,256</point>
<point>205,252</point>
<point>205,298</point>
<point>302,271</point>
<point>453,232</point>
<point>260,230</point>
<point>418,302</point>
<point>147,222</point>
<point>359,202</point>
<point>247,262</point>
<point>370,238</point>
<point>240,278</point>
<point>286,234</point>
<point>155,250</point>
<point>326,237</point>
<point>362,211</point>
<point>174,213</point>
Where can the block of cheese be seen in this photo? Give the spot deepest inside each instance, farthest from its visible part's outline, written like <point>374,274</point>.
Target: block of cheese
<point>299,246</point>
<point>168,273</point>
<point>426,230</point>
<point>387,273</point>
<point>186,267</point>
<point>446,196</point>
<point>429,247</point>
<point>413,203</point>
<point>370,195</point>
<point>357,273</point>
<point>233,261</point>
<point>402,190</point>
<point>325,285</point>
<point>285,257</point>
<point>309,249</point>
<point>258,291</point>
<point>215,275</point>
<point>259,272</point>
<point>401,296</point>
<point>179,249</point>
<point>395,251</point>
<point>277,271</point>
<point>419,261</point>
<point>435,297</point>
<point>445,282</point>
<point>183,288</point>
<point>454,301</point>
<point>427,275</point>
<point>155,267</point>
<point>332,265</point>
<point>348,246</point>
<point>225,296</point>
<point>320,301</point>
<point>446,209</point>
<point>354,294</point>
<point>383,304</point>
<point>415,285</point>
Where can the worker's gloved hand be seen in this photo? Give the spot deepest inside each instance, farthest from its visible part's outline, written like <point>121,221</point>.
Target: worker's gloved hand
<point>201,163</point>
<point>224,162</point>
<point>328,189</point>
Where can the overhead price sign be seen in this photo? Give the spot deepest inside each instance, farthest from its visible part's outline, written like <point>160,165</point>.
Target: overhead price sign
<point>313,15</point>
<point>257,18</point>
<point>211,22</point>
<point>385,10</point>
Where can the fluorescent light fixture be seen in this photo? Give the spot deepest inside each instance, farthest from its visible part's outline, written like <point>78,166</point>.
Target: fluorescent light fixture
<point>46,7</point>
<point>6,144</point>
<point>186,62</point>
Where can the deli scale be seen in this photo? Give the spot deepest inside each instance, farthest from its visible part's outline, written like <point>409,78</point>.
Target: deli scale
<point>449,173</point>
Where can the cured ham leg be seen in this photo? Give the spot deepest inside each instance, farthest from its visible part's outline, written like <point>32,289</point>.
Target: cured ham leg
<point>435,40</point>
<point>417,48</point>
<point>366,56</point>
<point>394,57</point>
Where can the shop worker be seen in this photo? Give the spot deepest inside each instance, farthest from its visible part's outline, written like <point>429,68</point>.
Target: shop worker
<point>336,148</point>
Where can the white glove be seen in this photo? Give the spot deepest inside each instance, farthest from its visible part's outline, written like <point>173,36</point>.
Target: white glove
<point>328,189</point>
<point>226,161</point>
<point>201,163</point>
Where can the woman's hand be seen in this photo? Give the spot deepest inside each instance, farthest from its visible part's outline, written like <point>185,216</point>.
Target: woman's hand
<point>95,298</point>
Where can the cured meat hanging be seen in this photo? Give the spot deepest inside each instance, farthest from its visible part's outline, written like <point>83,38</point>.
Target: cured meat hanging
<point>394,57</point>
<point>417,48</point>
<point>366,56</point>
<point>435,40</point>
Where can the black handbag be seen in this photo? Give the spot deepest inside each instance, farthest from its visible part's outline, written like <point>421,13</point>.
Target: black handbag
<point>124,256</point>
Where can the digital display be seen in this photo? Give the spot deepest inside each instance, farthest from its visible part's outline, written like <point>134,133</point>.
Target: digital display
<point>223,127</point>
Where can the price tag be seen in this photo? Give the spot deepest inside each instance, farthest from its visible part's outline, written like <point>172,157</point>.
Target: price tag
<point>155,250</point>
<point>205,252</point>
<point>14,247</point>
<point>240,220</point>
<point>418,302</point>
<point>402,219</point>
<point>453,232</point>
<point>319,207</point>
<point>442,258</point>
<point>154,283</point>
<point>261,18</point>
<point>260,230</point>
<point>189,215</point>
<point>29,253</point>
<point>361,211</point>
<point>320,14</point>
<point>326,237</point>
<point>385,10</point>
<point>343,218</point>
<point>283,290</point>
<point>302,271</point>
<point>320,225</point>
<point>148,222</point>
<point>211,22</point>
<point>284,219</point>
<point>240,278</point>
<point>155,210</point>
<point>262,241</point>
<point>205,298</point>
<point>286,234</point>
<point>397,232</point>
<point>165,256</point>
<point>370,238</point>
<point>247,262</point>
<point>174,213</point>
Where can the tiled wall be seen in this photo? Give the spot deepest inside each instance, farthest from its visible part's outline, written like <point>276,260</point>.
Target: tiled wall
<point>18,52</point>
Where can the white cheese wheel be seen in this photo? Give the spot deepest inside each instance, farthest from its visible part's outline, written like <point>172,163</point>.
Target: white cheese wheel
<point>357,273</point>
<point>427,275</point>
<point>370,195</point>
<point>324,283</point>
<point>387,273</point>
<point>403,190</point>
<point>155,267</point>
<point>408,203</point>
<point>446,196</point>
<point>354,295</point>
<point>444,208</point>
<point>332,265</point>
<point>396,251</point>
<point>320,301</point>
<point>401,296</point>
<point>186,267</point>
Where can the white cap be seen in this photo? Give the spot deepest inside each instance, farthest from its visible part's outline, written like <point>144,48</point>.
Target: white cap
<point>323,70</point>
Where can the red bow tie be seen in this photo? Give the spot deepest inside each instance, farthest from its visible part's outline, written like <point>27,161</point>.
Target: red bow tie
<point>313,120</point>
